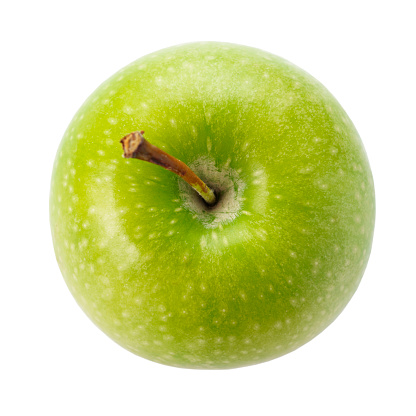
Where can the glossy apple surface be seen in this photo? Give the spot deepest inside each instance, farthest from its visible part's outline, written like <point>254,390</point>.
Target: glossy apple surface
<point>265,270</point>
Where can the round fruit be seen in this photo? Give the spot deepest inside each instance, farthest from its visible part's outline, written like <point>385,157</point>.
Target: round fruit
<point>255,276</point>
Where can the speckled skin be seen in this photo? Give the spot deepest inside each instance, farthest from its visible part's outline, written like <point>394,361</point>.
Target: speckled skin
<point>164,283</point>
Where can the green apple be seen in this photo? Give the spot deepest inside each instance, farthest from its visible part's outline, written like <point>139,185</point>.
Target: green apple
<point>261,272</point>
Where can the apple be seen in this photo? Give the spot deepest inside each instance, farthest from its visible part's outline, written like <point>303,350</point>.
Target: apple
<point>248,278</point>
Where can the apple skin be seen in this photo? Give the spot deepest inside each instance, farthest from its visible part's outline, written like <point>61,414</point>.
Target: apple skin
<point>265,271</point>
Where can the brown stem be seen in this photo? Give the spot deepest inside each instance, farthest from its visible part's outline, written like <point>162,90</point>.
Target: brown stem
<point>137,147</point>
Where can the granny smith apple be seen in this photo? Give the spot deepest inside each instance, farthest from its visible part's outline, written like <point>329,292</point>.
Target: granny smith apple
<point>248,278</point>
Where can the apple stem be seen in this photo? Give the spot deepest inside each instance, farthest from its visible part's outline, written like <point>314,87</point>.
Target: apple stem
<point>137,147</point>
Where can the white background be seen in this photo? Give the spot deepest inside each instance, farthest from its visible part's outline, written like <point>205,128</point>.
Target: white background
<point>54,361</point>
